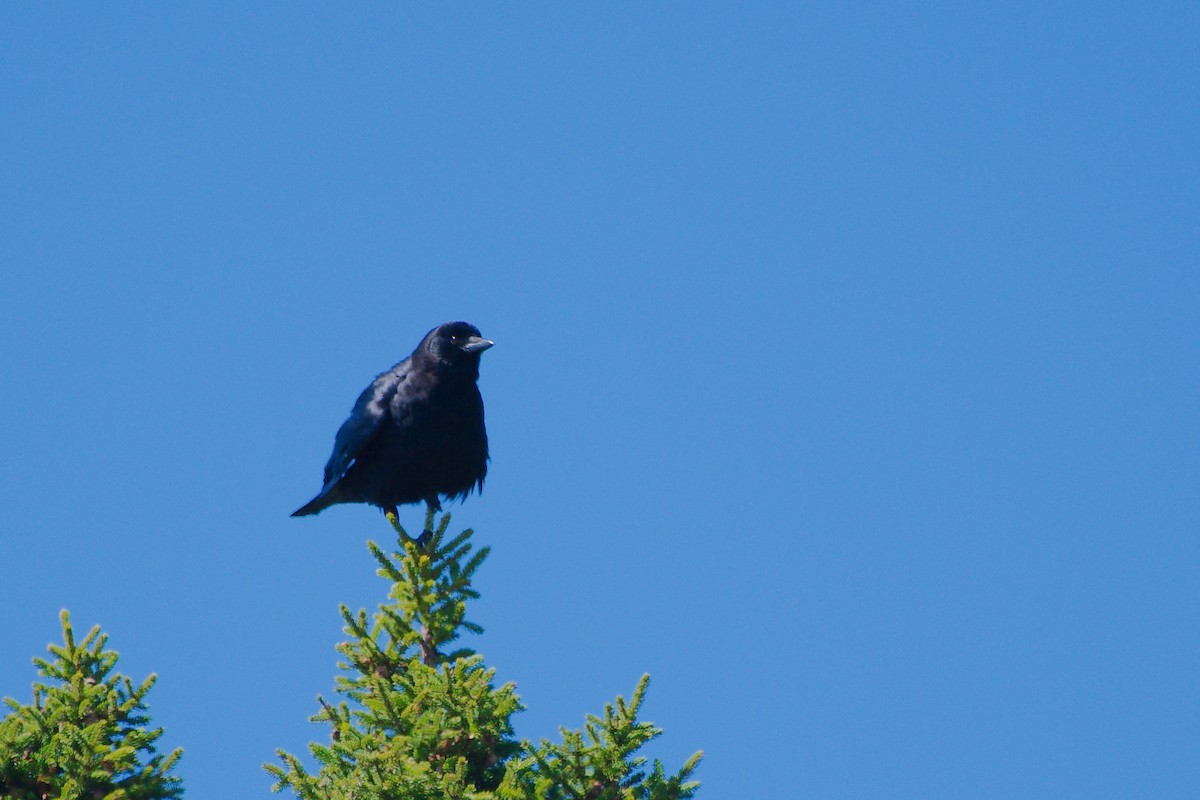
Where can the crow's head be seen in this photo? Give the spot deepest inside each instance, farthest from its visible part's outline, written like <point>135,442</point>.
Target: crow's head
<point>454,344</point>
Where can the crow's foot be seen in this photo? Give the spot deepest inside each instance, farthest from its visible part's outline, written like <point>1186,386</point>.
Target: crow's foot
<point>420,541</point>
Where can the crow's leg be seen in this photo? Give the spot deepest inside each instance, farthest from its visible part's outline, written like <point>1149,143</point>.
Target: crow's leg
<point>421,540</point>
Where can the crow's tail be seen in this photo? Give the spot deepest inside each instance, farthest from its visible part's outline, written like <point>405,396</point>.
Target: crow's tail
<point>318,503</point>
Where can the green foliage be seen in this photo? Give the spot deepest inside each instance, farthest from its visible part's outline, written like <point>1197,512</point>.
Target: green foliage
<point>416,722</point>
<point>419,718</point>
<point>421,722</point>
<point>599,762</point>
<point>86,734</point>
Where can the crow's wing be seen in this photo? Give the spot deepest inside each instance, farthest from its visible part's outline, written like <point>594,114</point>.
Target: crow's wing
<point>364,422</point>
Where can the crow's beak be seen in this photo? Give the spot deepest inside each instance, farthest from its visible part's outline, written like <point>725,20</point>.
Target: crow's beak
<point>476,344</point>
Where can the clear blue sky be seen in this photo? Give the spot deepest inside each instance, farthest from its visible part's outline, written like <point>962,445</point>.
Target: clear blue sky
<point>846,375</point>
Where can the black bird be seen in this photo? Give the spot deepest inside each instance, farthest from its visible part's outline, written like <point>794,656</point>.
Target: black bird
<point>416,432</point>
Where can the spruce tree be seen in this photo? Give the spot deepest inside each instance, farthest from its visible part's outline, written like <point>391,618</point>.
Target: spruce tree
<point>86,735</point>
<point>421,717</point>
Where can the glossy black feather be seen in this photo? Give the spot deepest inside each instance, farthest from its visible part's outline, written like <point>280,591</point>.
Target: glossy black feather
<point>416,433</point>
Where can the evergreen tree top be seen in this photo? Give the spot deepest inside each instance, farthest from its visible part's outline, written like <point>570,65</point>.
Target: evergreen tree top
<point>418,720</point>
<point>86,734</point>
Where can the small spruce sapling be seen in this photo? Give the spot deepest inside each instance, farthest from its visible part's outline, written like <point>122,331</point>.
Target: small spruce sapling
<point>86,733</point>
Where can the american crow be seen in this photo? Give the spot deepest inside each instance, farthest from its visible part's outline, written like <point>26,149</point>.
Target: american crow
<point>416,432</point>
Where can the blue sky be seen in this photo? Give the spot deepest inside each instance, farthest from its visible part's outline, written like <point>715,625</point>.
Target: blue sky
<point>845,379</point>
